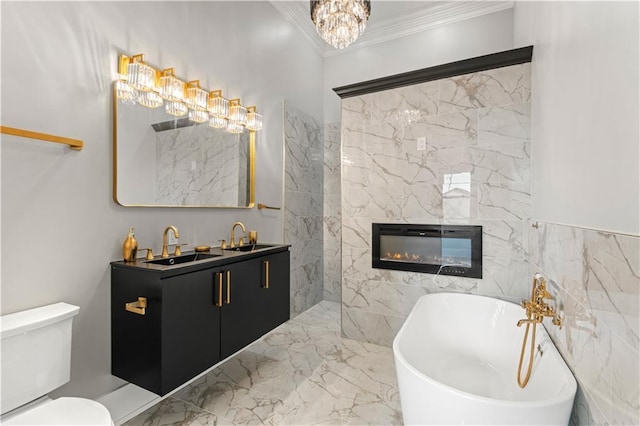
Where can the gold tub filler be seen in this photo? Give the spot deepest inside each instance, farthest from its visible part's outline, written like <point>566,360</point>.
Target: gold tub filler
<point>536,309</point>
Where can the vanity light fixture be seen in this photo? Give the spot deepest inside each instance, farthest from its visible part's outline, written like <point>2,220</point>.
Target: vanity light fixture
<point>237,112</point>
<point>218,106</point>
<point>142,84</point>
<point>150,99</point>
<point>176,108</point>
<point>140,76</point>
<point>171,88</point>
<point>198,115</point>
<point>254,120</point>
<point>127,94</point>
<point>234,127</point>
<point>196,96</point>
<point>217,122</point>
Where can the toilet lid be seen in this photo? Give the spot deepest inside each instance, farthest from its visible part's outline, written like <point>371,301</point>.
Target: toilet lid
<point>65,411</point>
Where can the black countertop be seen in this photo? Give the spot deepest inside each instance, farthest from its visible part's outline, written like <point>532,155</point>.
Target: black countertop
<point>223,257</point>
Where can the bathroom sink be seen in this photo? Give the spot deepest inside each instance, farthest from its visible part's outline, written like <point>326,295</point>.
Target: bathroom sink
<point>182,259</point>
<point>249,247</point>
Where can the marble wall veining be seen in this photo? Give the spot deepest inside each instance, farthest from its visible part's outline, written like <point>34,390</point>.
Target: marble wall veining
<point>475,169</point>
<point>332,214</point>
<point>594,277</point>
<point>197,165</point>
<point>303,216</point>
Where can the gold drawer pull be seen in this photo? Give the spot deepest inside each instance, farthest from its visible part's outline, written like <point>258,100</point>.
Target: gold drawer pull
<point>138,307</point>
<point>228,287</point>
<point>219,298</point>
<point>266,273</point>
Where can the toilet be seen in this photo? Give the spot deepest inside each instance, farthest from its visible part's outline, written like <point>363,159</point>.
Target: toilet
<point>36,359</point>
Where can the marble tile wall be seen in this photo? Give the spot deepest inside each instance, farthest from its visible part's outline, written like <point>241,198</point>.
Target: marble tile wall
<point>594,277</point>
<point>303,215</point>
<point>332,218</point>
<point>198,165</point>
<point>475,169</point>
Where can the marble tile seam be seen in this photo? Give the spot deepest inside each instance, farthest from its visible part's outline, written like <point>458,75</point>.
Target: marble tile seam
<point>203,410</point>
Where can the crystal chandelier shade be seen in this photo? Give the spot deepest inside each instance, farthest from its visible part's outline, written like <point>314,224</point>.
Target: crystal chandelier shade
<point>234,127</point>
<point>140,84</point>
<point>237,113</point>
<point>217,122</point>
<point>340,22</point>
<point>218,106</point>
<point>176,108</point>
<point>127,94</point>
<point>254,120</point>
<point>149,99</point>
<point>171,88</point>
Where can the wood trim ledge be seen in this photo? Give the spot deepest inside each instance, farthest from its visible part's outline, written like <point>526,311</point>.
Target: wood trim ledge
<point>466,66</point>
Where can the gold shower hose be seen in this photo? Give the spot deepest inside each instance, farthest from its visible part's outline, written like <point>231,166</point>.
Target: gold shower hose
<point>532,318</point>
<point>522,383</point>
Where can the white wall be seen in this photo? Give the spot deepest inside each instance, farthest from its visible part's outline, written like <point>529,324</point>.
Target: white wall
<point>585,113</point>
<point>61,227</point>
<point>462,40</point>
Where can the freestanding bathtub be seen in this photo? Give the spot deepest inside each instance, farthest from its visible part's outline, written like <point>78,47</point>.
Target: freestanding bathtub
<point>457,358</point>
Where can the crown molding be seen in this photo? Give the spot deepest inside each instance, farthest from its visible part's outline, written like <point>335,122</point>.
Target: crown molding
<point>419,20</point>
<point>300,16</point>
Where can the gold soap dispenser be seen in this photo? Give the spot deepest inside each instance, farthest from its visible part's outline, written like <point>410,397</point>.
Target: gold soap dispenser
<point>130,247</point>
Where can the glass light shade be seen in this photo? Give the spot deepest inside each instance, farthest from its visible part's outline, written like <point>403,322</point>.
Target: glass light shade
<point>254,121</point>
<point>218,106</point>
<point>141,76</point>
<point>125,93</point>
<point>238,113</point>
<point>171,87</point>
<point>176,108</point>
<point>340,22</point>
<point>150,99</point>
<point>198,115</point>
<point>217,122</point>
<point>234,127</point>
<point>197,98</point>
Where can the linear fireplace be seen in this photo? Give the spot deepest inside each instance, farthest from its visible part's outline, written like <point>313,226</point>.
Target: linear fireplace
<point>435,249</point>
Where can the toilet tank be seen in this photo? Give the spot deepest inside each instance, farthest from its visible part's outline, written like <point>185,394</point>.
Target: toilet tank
<point>36,353</point>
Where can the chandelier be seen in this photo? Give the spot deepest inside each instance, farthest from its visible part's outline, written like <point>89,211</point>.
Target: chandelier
<point>340,22</point>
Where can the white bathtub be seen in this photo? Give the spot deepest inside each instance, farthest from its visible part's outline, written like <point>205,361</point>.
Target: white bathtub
<point>457,358</point>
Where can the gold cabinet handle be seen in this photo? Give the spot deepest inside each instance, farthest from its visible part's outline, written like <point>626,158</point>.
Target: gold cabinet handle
<point>266,273</point>
<point>228,287</point>
<point>218,300</point>
<point>138,307</point>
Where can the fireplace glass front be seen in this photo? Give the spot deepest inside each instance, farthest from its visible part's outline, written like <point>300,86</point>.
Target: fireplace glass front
<point>437,249</point>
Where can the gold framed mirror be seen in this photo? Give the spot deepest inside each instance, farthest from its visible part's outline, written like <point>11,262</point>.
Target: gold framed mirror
<point>160,160</point>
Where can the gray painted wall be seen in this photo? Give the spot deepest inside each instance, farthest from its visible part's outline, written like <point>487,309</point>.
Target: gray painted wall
<point>60,226</point>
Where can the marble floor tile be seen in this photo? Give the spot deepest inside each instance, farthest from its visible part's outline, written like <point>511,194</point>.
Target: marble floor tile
<point>301,373</point>
<point>172,411</point>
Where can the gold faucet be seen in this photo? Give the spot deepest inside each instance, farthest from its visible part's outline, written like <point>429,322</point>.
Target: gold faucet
<point>165,251</point>
<point>232,244</point>
<point>536,309</point>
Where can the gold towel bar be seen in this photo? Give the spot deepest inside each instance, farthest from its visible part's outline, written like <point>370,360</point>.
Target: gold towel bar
<point>264,206</point>
<point>73,143</point>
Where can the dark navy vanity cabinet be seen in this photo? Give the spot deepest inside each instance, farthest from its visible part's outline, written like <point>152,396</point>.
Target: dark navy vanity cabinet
<point>196,314</point>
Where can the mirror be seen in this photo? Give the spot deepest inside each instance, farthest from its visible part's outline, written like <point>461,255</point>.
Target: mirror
<point>165,161</point>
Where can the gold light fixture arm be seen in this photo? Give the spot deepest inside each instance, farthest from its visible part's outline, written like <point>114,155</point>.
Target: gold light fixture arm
<point>74,144</point>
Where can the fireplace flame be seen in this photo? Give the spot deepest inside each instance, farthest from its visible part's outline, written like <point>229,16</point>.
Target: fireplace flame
<point>416,258</point>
